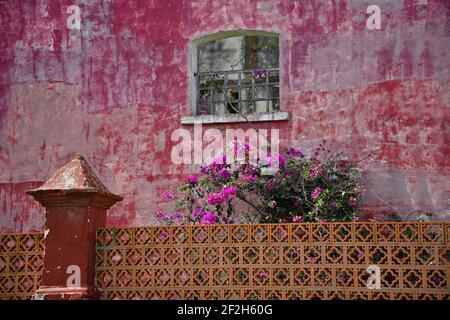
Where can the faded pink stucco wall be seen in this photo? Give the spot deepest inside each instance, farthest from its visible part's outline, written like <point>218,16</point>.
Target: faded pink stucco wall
<point>115,90</point>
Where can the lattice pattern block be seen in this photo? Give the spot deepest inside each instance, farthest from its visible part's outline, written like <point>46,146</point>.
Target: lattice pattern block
<point>21,265</point>
<point>270,261</point>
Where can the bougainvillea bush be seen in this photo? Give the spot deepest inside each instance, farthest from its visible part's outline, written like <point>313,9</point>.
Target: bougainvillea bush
<point>325,186</point>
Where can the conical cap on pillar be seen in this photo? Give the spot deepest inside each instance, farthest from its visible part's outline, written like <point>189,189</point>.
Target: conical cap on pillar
<point>75,177</point>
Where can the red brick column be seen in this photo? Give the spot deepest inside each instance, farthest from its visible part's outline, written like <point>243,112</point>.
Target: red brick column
<point>76,203</point>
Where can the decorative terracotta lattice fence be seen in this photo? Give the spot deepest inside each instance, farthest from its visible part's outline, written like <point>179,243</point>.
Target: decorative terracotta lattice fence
<point>279,261</point>
<point>21,263</point>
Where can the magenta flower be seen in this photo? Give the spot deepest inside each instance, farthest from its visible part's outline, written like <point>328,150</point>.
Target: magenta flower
<point>160,214</point>
<point>294,152</point>
<point>271,184</point>
<point>281,161</point>
<point>208,218</point>
<point>175,216</point>
<point>215,199</point>
<point>345,277</point>
<point>192,179</point>
<point>272,204</point>
<point>229,193</point>
<point>297,219</point>
<point>259,73</point>
<point>262,275</point>
<point>167,196</point>
<point>196,213</point>
<point>317,192</point>
<point>218,162</point>
<point>235,146</point>
<point>355,218</point>
<point>311,260</point>
<point>226,194</point>
<point>225,174</point>
<point>320,171</point>
<point>313,174</point>
<point>163,235</point>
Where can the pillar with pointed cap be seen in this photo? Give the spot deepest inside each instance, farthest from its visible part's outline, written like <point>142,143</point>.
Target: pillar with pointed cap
<point>75,202</point>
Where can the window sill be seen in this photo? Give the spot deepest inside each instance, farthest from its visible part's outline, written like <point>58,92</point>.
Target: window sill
<point>234,118</point>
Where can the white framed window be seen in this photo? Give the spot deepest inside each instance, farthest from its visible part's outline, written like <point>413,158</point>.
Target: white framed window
<point>235,76</point>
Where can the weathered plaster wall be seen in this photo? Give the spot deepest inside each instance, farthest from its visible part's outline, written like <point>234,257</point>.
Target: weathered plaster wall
<point>114,91</point>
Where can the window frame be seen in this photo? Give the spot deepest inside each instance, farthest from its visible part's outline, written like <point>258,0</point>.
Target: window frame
<point>194,117</point>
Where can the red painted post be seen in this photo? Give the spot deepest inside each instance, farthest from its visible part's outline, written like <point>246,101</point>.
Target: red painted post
<point>76,203</point>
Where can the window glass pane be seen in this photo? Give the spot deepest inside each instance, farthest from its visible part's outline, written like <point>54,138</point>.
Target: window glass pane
<point>221,55</point>
<point>238,74</point>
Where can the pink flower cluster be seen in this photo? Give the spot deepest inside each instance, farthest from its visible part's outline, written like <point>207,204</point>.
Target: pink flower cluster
<point>316,193</point>
<point>227,193</point>
<point>225,174</point>
<point>210,196</point>
<point>167,196</point>
<point>174,217</point>
<point>209,218</point>
<point>295,152</point>
<point>318,171</point>
<point>192,179</point>
<point>217,164</point>
<point>204,217</point>
<point>281,161</point>
<point>215,198</point>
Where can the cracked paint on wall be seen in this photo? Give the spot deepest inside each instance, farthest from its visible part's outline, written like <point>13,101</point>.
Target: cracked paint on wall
<point>115,90</point>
